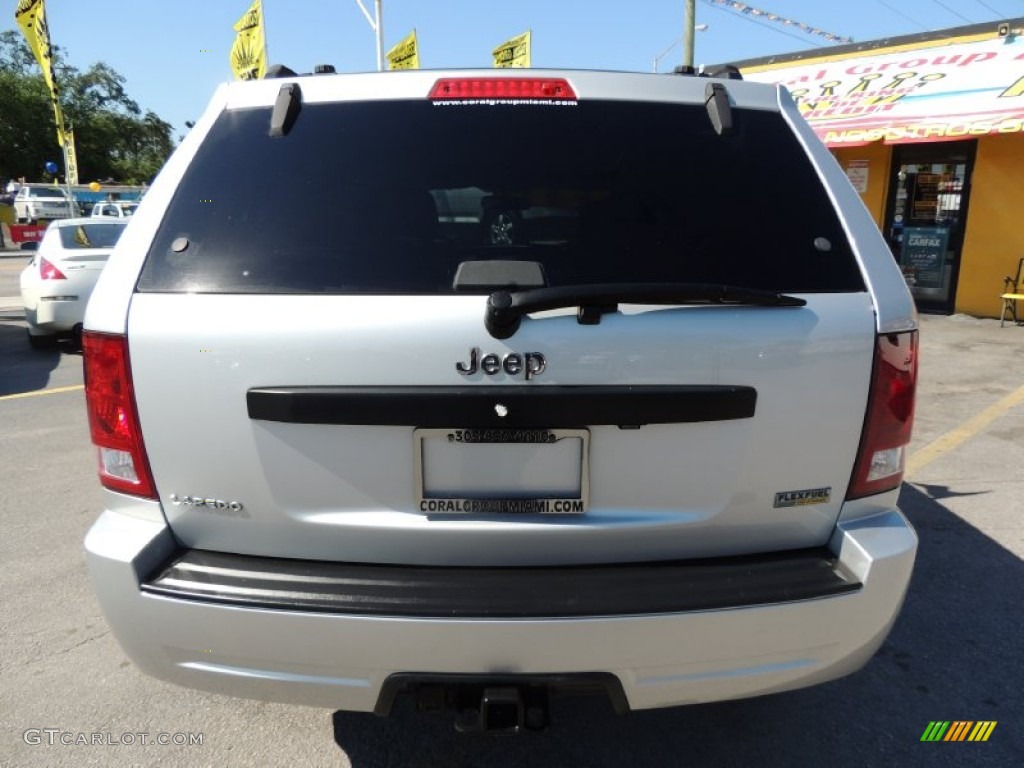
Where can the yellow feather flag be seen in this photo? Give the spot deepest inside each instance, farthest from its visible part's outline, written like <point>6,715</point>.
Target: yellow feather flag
<point>514,52</point>
<point>249,53</point>
<point>405,54</point>
<point>31,17</point>
<point>70,158</point>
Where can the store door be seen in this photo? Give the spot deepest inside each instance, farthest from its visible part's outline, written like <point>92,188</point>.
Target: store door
<point>926,216</point>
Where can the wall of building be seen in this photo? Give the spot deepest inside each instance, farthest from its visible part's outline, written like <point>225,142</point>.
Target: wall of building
<point>994,240</point>
<point>878,157</point>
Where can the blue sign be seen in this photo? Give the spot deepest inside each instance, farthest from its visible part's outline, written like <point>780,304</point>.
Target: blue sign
<point>924,250</point>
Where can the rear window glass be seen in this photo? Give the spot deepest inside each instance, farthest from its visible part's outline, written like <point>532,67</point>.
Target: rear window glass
<point>392,196</point>
<point>81,236</point>
<point>45,192</point>
<point>108,209</point>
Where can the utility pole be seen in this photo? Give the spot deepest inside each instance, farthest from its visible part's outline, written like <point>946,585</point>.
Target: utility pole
<point>688,30</point>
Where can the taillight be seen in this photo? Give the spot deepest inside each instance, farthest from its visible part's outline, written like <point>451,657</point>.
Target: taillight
<point>48,271</point>
<point>502,88</point>
<point>890,416</point>
<point>113,418</point>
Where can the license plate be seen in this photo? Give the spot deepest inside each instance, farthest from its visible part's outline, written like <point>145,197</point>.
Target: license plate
<point>502,471</point>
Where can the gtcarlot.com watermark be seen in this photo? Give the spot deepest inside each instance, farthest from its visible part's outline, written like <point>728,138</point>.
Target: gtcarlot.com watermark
<point>58,737</point>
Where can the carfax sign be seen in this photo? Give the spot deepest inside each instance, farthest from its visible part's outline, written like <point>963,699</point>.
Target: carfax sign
<point>924,249</point>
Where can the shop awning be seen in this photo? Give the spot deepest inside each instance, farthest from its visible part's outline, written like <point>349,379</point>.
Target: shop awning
<point>939,90</point>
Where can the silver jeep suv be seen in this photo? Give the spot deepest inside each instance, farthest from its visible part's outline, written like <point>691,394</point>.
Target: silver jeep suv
<point>354,448</point>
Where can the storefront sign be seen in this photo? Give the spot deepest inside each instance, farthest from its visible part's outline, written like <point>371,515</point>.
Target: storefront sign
<point>956,88</point>
<point>857,173</point>
<point>27,233</point>
<point>924,255</point>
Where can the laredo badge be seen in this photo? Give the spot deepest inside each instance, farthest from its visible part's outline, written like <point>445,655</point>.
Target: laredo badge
<point>803,498</point>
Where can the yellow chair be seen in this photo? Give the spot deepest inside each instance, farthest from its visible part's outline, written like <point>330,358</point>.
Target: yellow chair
<point>1013,291</point>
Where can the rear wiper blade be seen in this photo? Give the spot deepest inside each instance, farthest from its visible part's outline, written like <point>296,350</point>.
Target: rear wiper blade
<point>505,309</point>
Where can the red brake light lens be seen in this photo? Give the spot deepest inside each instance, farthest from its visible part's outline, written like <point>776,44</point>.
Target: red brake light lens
<point>890,416</point>
<point>48,271</point>
<point>113,419</point>
<point>548,88</point>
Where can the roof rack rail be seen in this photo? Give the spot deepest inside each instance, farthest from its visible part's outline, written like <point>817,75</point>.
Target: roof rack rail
<point>723,71</point>
<point>720,71</point>
<point>279,70</point>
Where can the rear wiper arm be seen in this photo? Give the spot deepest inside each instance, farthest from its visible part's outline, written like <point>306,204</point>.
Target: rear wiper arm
<point>505,309</point>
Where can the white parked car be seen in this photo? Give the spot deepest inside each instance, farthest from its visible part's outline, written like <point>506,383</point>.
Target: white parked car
<point>34,202</point>
<point>649,443</point>
<point>57,283</point>
<point>117,209</point>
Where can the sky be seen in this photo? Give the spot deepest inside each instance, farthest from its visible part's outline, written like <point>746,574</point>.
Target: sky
<point>174,53</point>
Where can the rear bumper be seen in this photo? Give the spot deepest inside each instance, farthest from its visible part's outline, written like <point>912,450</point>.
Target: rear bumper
<point>60,304</point>
<point>56,314</point>
<point>420,592</point>
<point>256,644</point>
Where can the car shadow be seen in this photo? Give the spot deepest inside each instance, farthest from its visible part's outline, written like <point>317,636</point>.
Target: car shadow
<point>23,369</point>
<point>955,653</point>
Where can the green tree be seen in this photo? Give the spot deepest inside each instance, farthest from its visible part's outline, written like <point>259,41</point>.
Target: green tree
<point>113,137</point>
<point>27,135</point>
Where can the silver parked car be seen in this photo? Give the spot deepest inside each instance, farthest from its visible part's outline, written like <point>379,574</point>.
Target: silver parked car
<point>354,447</point>
<point>33,202</point>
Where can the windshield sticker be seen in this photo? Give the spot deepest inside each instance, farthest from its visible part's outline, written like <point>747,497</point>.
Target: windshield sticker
<point>802,498</point>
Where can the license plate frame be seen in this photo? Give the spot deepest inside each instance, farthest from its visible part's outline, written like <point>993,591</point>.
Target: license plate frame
<point>498,503</point>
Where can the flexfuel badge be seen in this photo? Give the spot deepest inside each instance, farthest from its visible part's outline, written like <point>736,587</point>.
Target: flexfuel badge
<point>802,498</point>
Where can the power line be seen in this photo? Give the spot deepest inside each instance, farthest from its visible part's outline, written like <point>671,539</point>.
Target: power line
<point>955,13</point>
<point>999,14</point>
<point>765,25</point>
<point>898,12</point>
<point>762,15</point>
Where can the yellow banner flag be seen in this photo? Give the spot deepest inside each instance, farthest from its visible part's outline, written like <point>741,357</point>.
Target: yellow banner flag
<point>70,158</point>
<point>405,54</point>
<point>514,52</point>
<point>31,17</point>
<point>249,53</point>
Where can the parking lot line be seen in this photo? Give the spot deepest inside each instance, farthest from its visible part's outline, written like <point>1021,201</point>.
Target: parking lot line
<point>38,392</point>
<point>955,437</point>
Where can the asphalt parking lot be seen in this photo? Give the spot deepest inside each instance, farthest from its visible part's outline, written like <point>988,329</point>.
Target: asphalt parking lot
<point>956,652</point>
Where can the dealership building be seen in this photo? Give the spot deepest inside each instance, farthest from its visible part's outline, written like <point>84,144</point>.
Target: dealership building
<point>930,130</point>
